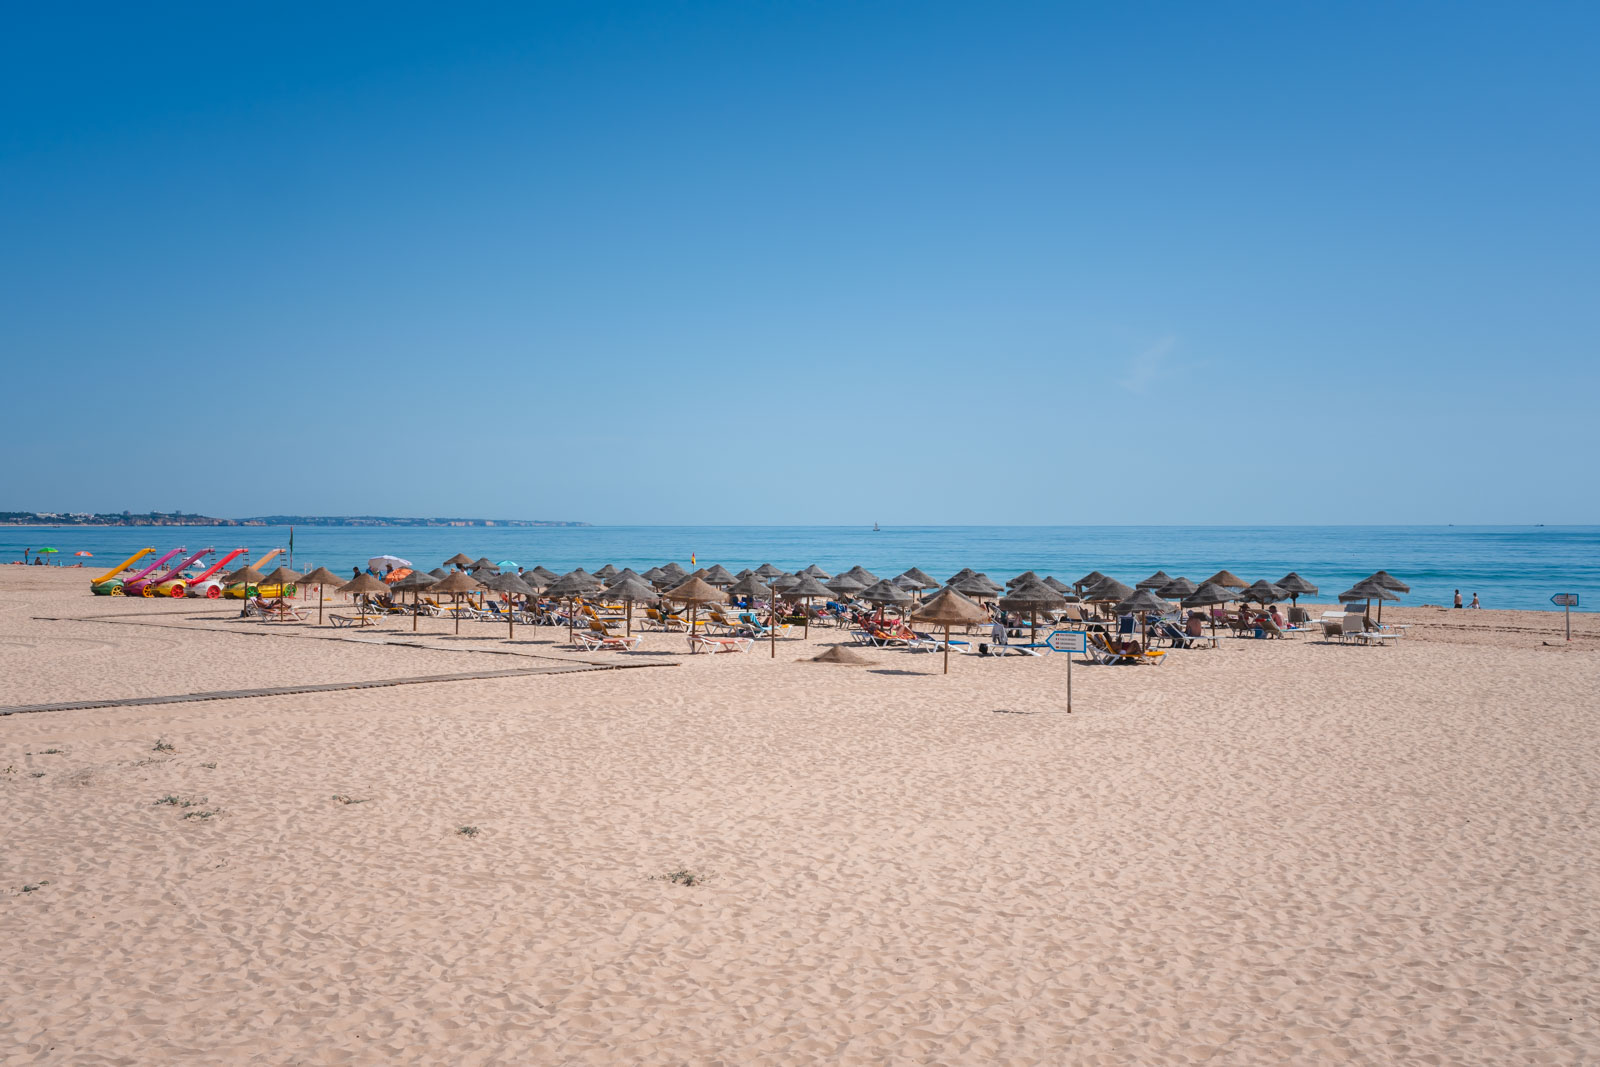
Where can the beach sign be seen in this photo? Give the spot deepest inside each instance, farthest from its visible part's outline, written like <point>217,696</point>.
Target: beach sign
<point>1069,641</point>
<point>1568,601</point>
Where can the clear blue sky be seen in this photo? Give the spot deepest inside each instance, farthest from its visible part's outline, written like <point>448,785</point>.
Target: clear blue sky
<point>778,263</point>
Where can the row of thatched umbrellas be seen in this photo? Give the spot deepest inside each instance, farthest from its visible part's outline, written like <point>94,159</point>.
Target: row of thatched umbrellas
<point>957,603</point>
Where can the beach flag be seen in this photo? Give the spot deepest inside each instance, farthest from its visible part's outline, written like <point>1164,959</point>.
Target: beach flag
<point>691,559</point>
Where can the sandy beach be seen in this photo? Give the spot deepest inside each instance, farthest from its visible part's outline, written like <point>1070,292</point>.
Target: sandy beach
<point>1275,852</point>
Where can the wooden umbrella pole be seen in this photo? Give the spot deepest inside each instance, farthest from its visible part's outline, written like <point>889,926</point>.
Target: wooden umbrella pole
<point>773,624</point>
<point>947,648</point>
<point>416,608</point>
<point>321,592</point>
<point>458,614</point>
<point>511,620</point>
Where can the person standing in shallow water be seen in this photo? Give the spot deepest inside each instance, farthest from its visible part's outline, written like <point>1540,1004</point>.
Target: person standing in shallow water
<point>1458,598</point>
<point>1475,605</point>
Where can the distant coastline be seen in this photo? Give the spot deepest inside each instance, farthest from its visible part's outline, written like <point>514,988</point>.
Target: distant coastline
<point>178,518</point>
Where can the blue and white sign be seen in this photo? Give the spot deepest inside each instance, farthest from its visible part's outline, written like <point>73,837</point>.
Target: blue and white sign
<point>1565,600</point>
<point>1068,641</point>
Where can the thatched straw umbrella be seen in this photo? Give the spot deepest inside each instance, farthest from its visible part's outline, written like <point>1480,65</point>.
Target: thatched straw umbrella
<point>922,579</point>
<point>1059,586</point>
<point>460,559</point>
<point>1262,592</point>
<point>1156,581</point>
<point>606,574</point>
<point>283,577</point>
<point>245,577</point>
<point>719,576</point>
<point>417,581</point>
<point>767,571</point>
<point>1210,594</point>
<point>984,580</point>
<point>883,593</point>
<point>1368,590</point>
<point>1176,589</point>
<point>458,583</point>
<point>961,575</point>
<point>949,608</point>
<point>1141,603</point>
<point>1092,578</point>
<point>511,586</point>
<point>1296,587</point>
<point>819,574</point>
<point>1025,576</point>
<point>807,587</point>
<point>973,586</point>
<point>1389,582</point>
<point>1107,591</point>
<point>320,578</point>
<point>630,588</point>
<point>538,575</point>
<point>363,585</point>
<point>482,563</point>
<point>843,585</point>
<point>1030,596</point>
<point>655,576</point>
<point>439,572</point>
<point>675,570</point>
<point>1227,580</point>
<point>569,587</point>
<point>694,592</point>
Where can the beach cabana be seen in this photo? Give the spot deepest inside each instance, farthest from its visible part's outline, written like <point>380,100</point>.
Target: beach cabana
<point>806,587</point>
<point>1032,596</point>
<point>458,583</point>
<point>363,585</point>
<point>949,608</point>
<point>630,589</point>
<point>416,582</point>
<point>509,585</point>
<point>321,577</point>
<point>695,592</point>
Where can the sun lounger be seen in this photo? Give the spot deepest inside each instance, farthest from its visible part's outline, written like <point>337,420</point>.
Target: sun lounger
<point>1102,651</point>
<point>710,643</point>
<point>590,641</point>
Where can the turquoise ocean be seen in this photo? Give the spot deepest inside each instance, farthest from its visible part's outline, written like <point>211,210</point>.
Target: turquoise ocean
<point>1507,566</point>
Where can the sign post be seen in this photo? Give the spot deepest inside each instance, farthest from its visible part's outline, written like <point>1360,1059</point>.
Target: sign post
<point>1568,601</point>
<point>1069,641</point>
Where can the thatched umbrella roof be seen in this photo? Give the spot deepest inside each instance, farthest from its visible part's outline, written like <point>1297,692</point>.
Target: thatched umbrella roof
<point>949,608</point>
<point>973,585</point>
<point>985,580</point>
<point>655,574</point>
<point>1262,592</point>
<point>884,591</point>
<point>1295,585</point>
<point>767,570</point>
<point>671,567</point>
<point>509,583</point>
<point>248,575</point>
<point>626,572</point>
<point>439,572</point>
<point>781,583</point>
<point>573,583</point>
<point>747,572</point>
<point>1142,600</point>
<point>1032,596</point>
<point>697,591</point>
<point>457,583</point>
<point>844,585</point>
<point>908,583</point>
<point>862,575</point>
<point>482,563</point>
<point>1367,590</point>
<point>751,585</point>
<point>807,586</point>
<point>1388,581</point>
<point>1156,581</point>
<point>1108,590</point>
<point>923,579</point>
<point>1176,589</point>
<point>718,575</point>
<point>416,580</point>
<point>1059,586</point>
<point>606,573</point>
<point>460,559</point>
<point>1227,579</point>
<point>1209,593</point>
<point>631,587</point>
<point>361,584</point>
<point>1025,576</point>
<point>961,575</point>
<point>540,574</point>
<point>321,576</point>
<point>1089,579</point>
<point>281,576</point>
<point>841,655</point>
<point>818,573</point>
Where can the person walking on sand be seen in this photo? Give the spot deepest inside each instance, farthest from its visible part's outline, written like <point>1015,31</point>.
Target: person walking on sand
<point>1458,598</point>
<point>1475,606</point>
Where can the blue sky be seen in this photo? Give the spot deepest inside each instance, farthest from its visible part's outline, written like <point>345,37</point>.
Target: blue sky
<point>762,263</point>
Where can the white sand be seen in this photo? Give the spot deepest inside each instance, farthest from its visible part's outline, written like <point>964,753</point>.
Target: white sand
<point>1277,852</point>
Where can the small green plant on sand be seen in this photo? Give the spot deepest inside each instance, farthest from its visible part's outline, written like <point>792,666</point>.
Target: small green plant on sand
<point>52,752</point>
<point>467,831</point>
<point>683,876</point>
<point>163,745</point>
<point>345,798</point>
<point>170,799</point>
<point>198,814</point>
<point>209,766</point>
